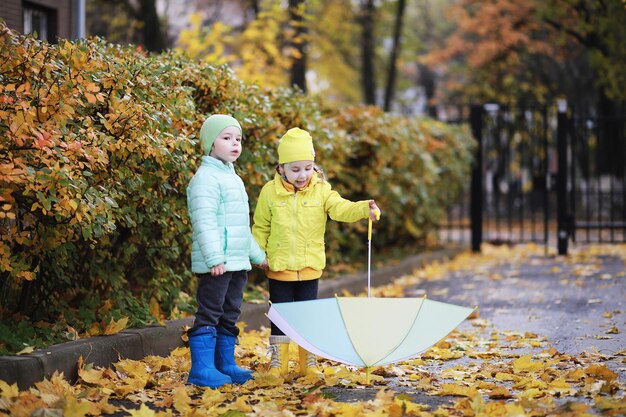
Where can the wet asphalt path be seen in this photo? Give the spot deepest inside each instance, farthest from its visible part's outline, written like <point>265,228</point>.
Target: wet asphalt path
<point>572,302</point>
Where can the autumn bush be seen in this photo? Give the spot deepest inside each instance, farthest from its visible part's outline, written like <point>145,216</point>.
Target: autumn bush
<point>98,143</point>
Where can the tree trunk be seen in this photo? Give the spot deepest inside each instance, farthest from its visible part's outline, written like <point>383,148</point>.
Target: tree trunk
<point>395,51</point>
<point>152,33</point>
<point>427,81</point>
<point>368,82</point>
<point>254,4</point>
<point>427,77</point>
<point>251,12</point>
<point>298,61</point>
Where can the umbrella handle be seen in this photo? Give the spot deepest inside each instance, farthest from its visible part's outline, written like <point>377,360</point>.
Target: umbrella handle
<point>369,225</point>
<point>369,251</point>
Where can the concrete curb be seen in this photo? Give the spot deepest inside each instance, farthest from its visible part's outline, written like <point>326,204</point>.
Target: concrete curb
<point>26,370</point>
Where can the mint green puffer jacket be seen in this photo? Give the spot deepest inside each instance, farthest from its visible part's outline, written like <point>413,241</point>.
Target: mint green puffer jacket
<point>220,219</point>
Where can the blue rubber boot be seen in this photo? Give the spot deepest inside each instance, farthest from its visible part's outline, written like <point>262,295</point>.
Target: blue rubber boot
<point>225,357</point>
<point>203,372</point>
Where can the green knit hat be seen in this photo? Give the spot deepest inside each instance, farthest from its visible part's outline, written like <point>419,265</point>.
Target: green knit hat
<point>212,127</point>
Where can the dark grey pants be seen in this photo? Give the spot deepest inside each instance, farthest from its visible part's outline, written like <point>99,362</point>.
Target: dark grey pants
<point>219,300</point>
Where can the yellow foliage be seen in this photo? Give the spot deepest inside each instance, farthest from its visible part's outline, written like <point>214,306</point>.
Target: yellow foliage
<point>259,48</point>
<point>206,45</point>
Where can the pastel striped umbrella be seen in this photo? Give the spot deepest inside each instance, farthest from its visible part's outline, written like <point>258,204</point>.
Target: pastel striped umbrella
<point>370,331</point>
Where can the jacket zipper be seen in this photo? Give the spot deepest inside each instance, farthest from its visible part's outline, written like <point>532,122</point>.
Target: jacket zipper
<point>294,235</point>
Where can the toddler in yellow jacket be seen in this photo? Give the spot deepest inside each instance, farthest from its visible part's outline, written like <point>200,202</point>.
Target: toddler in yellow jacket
<point>289,225</point>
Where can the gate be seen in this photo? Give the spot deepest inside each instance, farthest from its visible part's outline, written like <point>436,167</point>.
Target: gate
<point>594,184</point>
<point>519,193</point>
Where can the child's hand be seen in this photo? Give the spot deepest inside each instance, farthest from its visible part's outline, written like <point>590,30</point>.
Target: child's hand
<point>218,270</point>
<point>264,264</point>
<point>374,211</point>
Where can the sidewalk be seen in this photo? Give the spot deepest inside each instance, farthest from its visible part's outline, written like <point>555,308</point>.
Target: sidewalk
<point>161,340</point>
<point>569,309</point>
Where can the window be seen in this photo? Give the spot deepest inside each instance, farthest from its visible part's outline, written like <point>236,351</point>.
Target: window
<point>41,21</point>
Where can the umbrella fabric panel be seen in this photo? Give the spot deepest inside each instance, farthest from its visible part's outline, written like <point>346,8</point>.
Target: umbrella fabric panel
<point>288,330</point>
<point>377,326</point>
<point>433,323</point>
<point>376,331</point>
<point>316,325</point>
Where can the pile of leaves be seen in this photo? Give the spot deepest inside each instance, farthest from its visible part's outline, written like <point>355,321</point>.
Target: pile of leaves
<point>497,381</point>
<point>478,370</point>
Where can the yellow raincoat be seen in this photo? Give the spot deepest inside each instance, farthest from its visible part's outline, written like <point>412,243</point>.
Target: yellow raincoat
<point>290,225</point>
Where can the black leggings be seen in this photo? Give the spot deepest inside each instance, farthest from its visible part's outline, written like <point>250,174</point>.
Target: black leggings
<point>288,291</point>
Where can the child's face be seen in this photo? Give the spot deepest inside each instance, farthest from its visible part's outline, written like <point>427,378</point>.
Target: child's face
<point>298,173</point>
<point>227,145</point>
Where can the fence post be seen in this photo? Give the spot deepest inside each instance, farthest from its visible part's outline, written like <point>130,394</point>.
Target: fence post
<point>476,192</point>
<point>561,178</point>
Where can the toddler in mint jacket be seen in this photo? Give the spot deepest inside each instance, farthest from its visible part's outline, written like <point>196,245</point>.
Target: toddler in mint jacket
<point>222,252</point>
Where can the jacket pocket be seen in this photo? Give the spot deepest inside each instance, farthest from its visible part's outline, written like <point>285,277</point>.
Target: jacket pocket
<point>282,216</point>
<point>312,211</point>
<point>315,255</point>
<point>276,253</point>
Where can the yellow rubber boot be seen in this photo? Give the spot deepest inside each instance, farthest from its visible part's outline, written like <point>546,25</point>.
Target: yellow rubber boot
<point>279,361</point>
<point>308,364</point>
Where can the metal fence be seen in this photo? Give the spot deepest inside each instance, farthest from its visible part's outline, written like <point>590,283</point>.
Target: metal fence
<point>518,193</point>
<point>596,183</point>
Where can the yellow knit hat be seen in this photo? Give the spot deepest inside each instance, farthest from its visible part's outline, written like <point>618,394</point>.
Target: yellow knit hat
<point>295,145</point>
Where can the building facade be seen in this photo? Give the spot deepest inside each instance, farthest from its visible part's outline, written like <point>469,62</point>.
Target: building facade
<point>49,19</point>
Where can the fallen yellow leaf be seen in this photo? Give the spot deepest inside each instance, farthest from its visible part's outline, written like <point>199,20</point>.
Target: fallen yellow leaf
<point>499,393</point>
<point>143,411</point>
<point>601,372</point>
<point>26,350</point>
<point>457,390</point>
<point>615,406</point>
<point>116,326</point>
<point>524,364</point>
<point>76,408</point>
<point>8,391</point>
<point>182,400</point>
